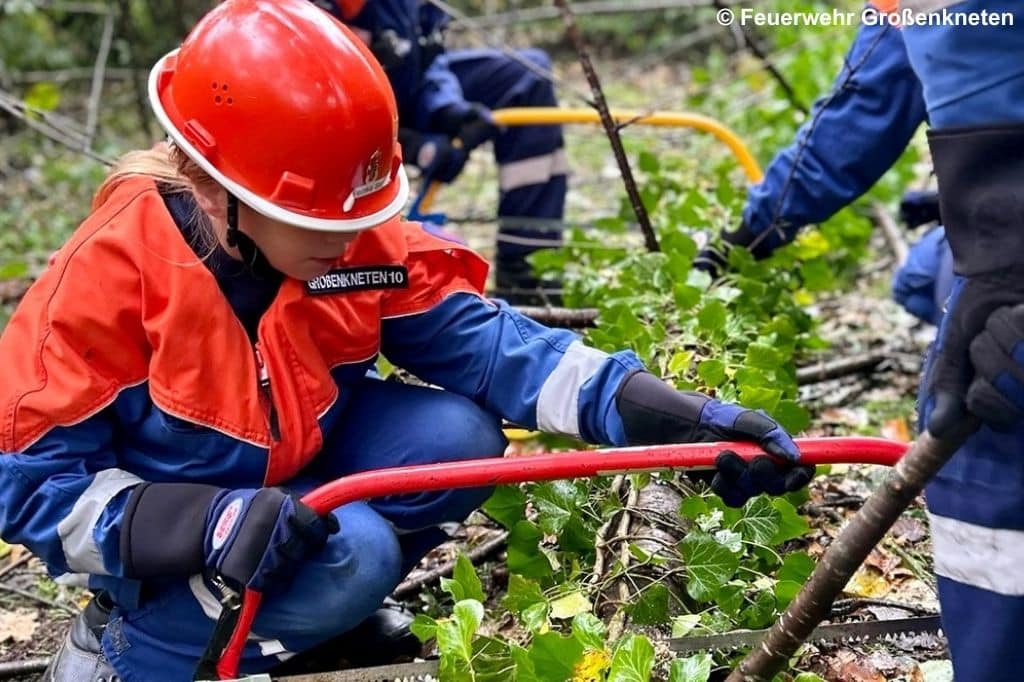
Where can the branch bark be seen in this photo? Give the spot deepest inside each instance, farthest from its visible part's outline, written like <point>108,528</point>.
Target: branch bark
<point>904,483</point>
<point>599,103</point>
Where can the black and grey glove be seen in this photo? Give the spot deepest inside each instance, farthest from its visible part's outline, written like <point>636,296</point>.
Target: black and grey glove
<point>978,357</point>
<point>653,412</point>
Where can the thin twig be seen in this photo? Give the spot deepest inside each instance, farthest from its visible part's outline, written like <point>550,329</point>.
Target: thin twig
<point>752,44</point>
<point>601,105</point>
<point>617,624</point>
<point>892,233</point>
<point>35,597</point>
<point>824,371</point>
<point>96,92</point>
<point>479,553</point>
<point>25,667</point>
<point>22,560</point>
<point>844,607</point>
<point>128,31</point>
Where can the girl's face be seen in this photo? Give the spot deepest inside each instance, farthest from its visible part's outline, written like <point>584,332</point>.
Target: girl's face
<point>298,253</point>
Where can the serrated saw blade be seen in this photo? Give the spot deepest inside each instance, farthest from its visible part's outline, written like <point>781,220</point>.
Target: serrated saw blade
<point>849,632</point>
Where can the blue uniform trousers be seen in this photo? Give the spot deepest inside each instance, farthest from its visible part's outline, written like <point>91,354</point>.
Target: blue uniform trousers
<point>532,165</point>
<point>385,425</point>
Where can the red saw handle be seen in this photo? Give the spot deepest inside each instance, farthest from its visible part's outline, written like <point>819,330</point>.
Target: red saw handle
<point>475,473</point>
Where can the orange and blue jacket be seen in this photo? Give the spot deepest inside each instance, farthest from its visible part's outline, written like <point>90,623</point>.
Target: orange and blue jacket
<point>125,363</point>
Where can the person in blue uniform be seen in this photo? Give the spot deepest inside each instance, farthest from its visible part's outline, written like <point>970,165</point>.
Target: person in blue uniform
<point>969,57</point>
<point>444,102</point>
<point>853,136</point>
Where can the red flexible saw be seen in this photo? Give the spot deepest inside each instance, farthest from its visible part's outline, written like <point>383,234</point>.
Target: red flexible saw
<point>224,652</point>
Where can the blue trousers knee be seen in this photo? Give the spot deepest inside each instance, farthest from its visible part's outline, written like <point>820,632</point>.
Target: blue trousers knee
<point>385,424</point>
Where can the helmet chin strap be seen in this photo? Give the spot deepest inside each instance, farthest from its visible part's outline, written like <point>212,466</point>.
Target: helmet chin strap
<point>246,246</point>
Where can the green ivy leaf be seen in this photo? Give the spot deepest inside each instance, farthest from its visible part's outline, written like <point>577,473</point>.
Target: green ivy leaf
<point>817,275</point>
<point>424,627</point>
<point>554,656</point>
<point>760,613</point>
<point>651,607</point>
<point>763,356</point>
<point>758,398</point>
<point>464,583</point>
<point>796,566</point>
<point>535,617</point>
<point>589,631</point>
<point>712,316</point>
<point>525,671</point>
<point>684,624</point>
<point>792,416</point>
<point>759,522</point>
<point>522,594</point>
<point>506,506</point>
<point>791,524</point>
<point>633,660</point>
<point>455,638</point>
<point>693,506</point>
<point>691,669</point>
<point>711,372</point>
<point>524,555</point>
<point>709,565</point>
<point>570,605</point>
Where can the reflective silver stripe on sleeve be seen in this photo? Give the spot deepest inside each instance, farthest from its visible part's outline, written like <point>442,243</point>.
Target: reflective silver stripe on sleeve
<point>76,530</point>
<point>558,404</point>
<point>535,170</point>
<point>989,558</point>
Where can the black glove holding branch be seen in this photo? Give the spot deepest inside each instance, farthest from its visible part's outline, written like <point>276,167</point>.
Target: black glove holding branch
<point>654,413</point>
<point>434,154</point>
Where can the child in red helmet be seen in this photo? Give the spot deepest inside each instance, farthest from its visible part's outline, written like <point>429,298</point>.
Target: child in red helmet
<point>197,356</point>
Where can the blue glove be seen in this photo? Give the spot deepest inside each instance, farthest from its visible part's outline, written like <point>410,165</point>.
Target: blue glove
<point>922,283</point>
<point>435,155</point>
<point>254,537</point>
<point>653,413</point>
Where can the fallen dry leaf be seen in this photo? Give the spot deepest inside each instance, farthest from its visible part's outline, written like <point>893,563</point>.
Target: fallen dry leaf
<point>897,429</point>
<point>909,529</point>
<point>18,625</point>
<point>867,582</point>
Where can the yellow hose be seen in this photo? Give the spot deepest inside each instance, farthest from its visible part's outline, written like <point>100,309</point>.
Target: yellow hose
<point>526,116</point>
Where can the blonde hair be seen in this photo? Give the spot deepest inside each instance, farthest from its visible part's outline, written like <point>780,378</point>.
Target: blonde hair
<point>174,172</point>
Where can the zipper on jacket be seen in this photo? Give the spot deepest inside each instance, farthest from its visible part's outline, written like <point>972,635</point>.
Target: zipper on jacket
<point>264,379</point>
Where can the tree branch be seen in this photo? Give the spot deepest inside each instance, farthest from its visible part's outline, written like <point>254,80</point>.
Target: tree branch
<point>814,603</point>
<point>601,105</point>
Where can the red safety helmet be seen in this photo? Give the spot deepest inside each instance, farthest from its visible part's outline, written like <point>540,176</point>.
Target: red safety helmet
<point>287,110</point>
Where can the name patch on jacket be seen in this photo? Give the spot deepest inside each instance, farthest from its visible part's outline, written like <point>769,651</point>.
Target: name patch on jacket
<point>344,280</point>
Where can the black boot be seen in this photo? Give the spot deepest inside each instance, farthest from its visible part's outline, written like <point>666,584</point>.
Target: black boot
<point>80,658</point>
<point>515,282</point>
<point>383,638</point>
